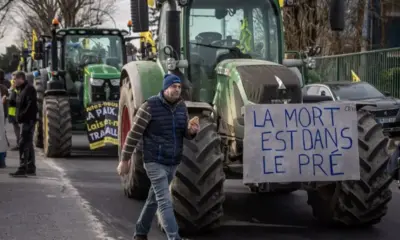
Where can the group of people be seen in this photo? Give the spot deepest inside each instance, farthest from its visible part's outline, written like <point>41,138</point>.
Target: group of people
<point>20,108</point>
<point>161,123</point>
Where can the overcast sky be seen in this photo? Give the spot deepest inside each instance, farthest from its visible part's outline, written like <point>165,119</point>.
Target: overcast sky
<point>121,17</point>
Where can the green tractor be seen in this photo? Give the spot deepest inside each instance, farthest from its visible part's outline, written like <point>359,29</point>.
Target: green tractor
<point>79,88</point>
<point>210,45</point>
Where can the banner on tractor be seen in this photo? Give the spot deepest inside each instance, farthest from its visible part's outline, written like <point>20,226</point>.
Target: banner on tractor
<point>102,124</point>
<point>300,143</point>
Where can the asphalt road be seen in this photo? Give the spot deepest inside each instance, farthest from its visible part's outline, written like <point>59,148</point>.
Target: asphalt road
<point>80,198</point>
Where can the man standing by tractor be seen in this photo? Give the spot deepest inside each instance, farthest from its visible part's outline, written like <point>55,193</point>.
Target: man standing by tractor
<point>12,109</point>
<point>26,116</point>
<point>162,122</point>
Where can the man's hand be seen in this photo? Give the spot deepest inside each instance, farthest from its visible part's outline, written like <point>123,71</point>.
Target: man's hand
<point>194,126</point>
<point>4,99</point>
<point>123,167</point>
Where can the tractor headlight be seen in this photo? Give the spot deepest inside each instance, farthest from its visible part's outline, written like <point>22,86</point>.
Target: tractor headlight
<point>96,82</point>
<point>114,82</point>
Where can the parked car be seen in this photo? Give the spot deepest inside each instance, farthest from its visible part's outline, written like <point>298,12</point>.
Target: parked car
<point>387,107</point>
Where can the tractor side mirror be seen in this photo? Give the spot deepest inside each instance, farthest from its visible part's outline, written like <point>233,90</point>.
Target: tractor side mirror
<point>140,16</point>
<point>337,15</point>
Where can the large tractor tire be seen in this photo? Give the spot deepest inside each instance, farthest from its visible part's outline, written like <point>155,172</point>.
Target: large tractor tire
<point>57,127</point>
<point>136,184</point>
<point>197,189</point>
<point>38,137</point>
<point>364,202</point>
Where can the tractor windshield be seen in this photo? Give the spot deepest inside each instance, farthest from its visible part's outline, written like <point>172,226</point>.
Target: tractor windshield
<point>82,50</point>
<point>218,29</point>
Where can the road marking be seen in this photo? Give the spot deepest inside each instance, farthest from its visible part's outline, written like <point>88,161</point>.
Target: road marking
<point>70,190</point>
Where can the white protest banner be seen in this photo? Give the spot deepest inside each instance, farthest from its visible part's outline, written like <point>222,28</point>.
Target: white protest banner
<point>300,143</point>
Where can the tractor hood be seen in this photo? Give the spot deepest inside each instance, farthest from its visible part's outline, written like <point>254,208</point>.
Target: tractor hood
<point>262,81</point>
<point>102,71</point>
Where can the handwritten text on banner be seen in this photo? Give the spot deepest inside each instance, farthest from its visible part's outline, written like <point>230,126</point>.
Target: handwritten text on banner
<point>300,143</point>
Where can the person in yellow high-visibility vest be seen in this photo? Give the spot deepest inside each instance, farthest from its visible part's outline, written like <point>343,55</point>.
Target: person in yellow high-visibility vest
<point>245,37</point>
<point>12,107</point>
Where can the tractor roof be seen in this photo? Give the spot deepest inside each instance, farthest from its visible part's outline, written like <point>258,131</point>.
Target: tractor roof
<point>91,31</point>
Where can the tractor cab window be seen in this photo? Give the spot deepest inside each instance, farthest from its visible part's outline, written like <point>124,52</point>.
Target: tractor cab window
<point>81,51</point>
<point>227,29</point>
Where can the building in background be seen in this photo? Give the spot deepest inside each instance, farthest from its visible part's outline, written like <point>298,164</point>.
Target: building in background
<point>383,24</point>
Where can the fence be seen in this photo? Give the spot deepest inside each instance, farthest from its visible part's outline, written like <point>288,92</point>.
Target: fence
<point>380,68</point>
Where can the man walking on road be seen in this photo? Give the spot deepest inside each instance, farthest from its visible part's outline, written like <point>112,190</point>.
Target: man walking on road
<point>162,121</point>
<point>26,116</point>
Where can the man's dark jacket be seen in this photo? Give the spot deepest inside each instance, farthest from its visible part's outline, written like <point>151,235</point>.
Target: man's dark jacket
<point>26,104</point>
<point>12,101</point>
<point>162,127</point>
<point>163,137</point>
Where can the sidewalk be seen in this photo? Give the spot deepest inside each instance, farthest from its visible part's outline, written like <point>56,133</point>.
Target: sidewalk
<point>42,207</point>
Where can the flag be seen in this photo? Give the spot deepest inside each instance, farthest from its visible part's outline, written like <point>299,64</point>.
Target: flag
<point>354,77</point>
<point>25,43</point>
<point>34,40</point>
<point>147,37</point>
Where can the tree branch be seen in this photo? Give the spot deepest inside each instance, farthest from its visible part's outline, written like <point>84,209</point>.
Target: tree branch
<point>6,5</point>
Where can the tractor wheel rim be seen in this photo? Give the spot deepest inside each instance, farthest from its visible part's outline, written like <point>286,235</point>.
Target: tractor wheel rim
<point>126,126</point>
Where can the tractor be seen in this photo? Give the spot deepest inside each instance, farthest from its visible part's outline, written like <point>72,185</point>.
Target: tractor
<point>209,44</point>
<point>83,73</point>
<point>40,76</point>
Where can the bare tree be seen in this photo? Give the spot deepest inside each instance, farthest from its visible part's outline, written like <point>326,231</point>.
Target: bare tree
<point>389,10</point>
<point>34,15</point>
<point>77,13</point>
<point>38,14</point>
<point>307,24</point>
<point>5,6</point>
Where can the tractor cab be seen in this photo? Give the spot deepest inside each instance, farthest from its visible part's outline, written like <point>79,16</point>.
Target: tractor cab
<point>92,60</point>
<point>226,29</point>
<point>82,72</point>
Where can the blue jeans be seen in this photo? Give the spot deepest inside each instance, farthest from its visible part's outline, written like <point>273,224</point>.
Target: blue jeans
<point>159,198</point>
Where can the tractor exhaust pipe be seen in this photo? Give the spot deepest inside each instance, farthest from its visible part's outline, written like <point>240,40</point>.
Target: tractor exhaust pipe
<point>54,58</point>
<point>173,29</point>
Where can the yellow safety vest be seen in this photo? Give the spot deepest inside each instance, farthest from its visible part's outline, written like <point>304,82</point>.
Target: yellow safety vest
<point>245,37</point>
<point>12,110</point>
